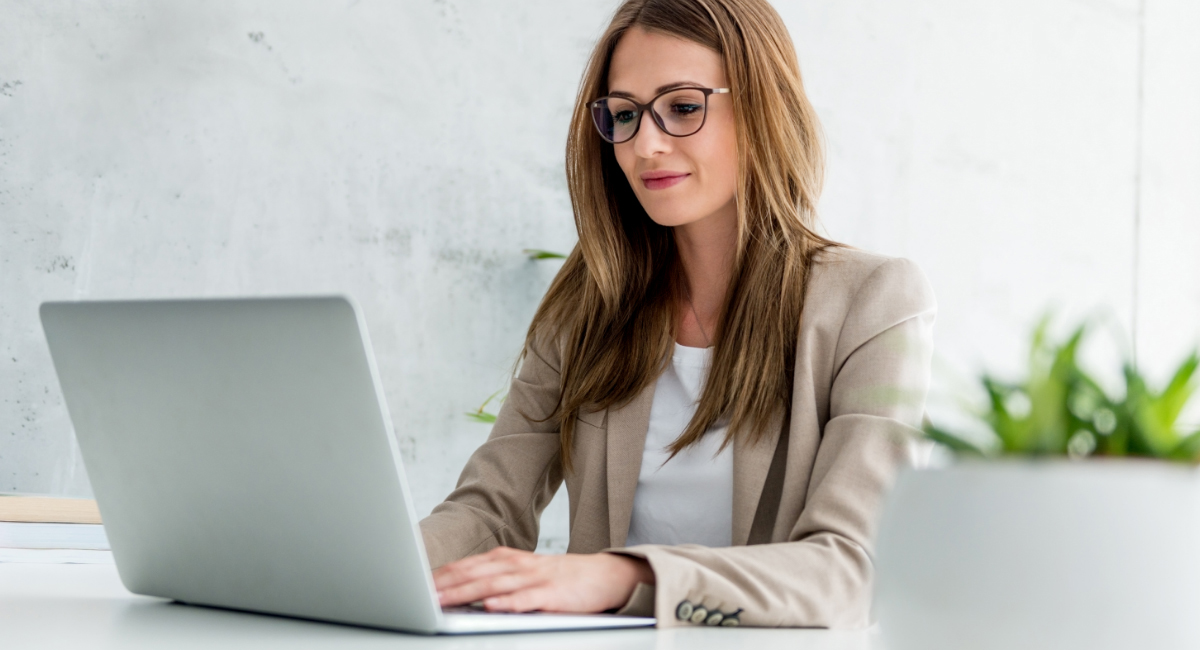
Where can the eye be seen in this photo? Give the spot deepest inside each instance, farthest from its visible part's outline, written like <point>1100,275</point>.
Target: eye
<point>684,109</point>
<point>624,117</point>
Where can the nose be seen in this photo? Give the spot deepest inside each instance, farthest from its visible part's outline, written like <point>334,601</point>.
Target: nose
<point>650,140</point>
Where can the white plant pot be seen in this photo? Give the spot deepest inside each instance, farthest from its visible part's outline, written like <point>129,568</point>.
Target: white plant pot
<point>1054,554</point>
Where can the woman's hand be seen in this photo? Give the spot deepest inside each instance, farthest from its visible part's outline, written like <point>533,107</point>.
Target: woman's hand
<point>508,580</point>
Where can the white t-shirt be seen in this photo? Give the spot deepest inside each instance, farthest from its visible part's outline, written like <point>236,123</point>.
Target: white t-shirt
<point>689,500</point>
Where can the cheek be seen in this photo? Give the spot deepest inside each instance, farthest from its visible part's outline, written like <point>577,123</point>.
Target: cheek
<point>718,159</point>
<point>626,160</point>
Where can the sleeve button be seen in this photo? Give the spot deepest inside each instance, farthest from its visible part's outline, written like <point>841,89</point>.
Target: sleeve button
<point>699,614</point>
<point>714,618</point>
<point>684,611</point>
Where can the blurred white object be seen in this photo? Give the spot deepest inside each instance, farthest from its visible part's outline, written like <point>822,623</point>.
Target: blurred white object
<point>54,556</point>
<point>52,536</point>
<point>1048,554</point>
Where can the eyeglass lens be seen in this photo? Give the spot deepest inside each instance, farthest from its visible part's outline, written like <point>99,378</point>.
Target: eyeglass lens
<point>679,113</point>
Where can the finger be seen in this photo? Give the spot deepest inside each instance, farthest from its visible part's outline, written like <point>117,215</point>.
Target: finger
<point>494,563</point>
<point>532,599</point>
<point>469,591</point>
<point>472,560</point>
<point>452,576</point>
<point>480,566</point>
<point>486,588</point>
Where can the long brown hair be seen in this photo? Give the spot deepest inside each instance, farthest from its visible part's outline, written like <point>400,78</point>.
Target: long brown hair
<point>612,306</point>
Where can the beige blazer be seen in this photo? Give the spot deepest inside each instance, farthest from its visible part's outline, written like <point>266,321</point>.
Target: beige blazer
<point>804,505</point>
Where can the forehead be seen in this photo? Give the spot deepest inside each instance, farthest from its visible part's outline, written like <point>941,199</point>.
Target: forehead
<point>645,60</point>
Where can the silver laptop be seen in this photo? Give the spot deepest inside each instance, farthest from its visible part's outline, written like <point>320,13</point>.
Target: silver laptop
<point>242,456</point>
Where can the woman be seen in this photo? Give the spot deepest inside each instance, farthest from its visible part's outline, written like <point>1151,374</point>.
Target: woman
<point>725,393</point>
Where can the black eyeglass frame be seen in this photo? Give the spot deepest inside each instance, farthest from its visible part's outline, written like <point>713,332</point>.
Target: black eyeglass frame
<point>595,104</point>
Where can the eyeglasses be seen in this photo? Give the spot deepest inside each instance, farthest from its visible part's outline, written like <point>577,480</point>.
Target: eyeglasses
<point>679,112</point>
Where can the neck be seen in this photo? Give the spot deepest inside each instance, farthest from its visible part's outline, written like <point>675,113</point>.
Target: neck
<point>706,251</point>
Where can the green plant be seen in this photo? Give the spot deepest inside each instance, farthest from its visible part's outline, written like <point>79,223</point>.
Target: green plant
<point>481,414</point>
<point>1059,409</point>
<point>537,254</point>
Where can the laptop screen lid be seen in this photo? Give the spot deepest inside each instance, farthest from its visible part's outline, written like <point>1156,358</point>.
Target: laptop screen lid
<point>241,453</point>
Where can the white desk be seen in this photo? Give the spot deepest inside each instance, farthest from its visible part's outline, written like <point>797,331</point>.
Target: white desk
<point>53,606</point>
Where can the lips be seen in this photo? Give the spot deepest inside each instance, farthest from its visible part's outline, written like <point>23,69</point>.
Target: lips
<point>660,180</point>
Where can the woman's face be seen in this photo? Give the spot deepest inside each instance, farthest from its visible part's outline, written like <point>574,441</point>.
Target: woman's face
<point>678,180</point>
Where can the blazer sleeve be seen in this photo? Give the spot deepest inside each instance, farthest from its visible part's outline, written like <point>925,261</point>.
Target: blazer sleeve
<point>821,576</point>
<point>509,479</point>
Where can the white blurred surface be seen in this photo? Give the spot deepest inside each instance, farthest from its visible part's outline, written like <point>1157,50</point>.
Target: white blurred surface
<point>1040,555</point>
<point>54,556</point>
<point>51,607</point>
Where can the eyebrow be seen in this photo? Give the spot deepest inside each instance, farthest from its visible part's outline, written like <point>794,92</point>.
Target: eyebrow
<point>658,91</point>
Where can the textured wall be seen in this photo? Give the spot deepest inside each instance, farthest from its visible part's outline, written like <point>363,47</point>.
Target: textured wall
<point>1027,154</point>
<point>1030,155</point>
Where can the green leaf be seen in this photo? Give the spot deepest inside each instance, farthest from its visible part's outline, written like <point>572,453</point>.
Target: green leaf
<point>1188,449</point>
<point>537,254</point>
<point>1038,342</point>
<point>952,441</point>
<point>1153,416</point>
<point>1058,401</point>
<point>486,418</point>
<point>1179,391</point>
<point>481,415</point>
<point>1011,435</point>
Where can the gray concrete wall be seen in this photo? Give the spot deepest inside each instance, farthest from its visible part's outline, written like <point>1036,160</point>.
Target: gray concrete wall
<point>1026,153</point>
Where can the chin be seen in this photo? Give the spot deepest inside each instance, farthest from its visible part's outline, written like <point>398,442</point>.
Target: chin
<point>670,219</point>
<point>678,215</point>
<point>670,213</point>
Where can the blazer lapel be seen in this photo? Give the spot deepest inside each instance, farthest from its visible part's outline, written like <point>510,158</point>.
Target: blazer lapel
<point>751,463</point>
<point>627,428</point>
